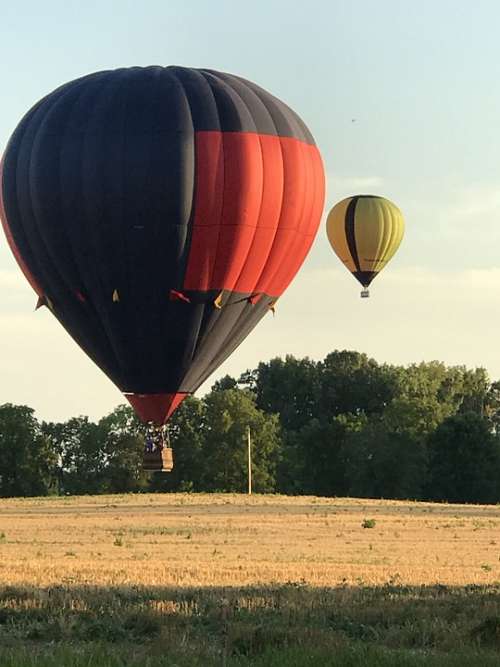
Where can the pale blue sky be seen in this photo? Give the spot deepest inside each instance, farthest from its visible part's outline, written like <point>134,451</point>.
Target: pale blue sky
<point>422,80</point>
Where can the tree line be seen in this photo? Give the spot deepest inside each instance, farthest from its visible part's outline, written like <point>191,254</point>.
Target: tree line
<point>343,426</point>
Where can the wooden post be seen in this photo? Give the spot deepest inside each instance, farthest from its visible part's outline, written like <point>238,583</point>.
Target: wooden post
<point>249,440</point>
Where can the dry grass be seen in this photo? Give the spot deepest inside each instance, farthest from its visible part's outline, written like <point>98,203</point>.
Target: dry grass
<point>229,540</point>
<point>227,580</point>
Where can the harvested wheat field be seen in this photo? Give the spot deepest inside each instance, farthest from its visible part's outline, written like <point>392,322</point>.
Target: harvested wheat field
<point>228,580</point>
<point>221,540</point>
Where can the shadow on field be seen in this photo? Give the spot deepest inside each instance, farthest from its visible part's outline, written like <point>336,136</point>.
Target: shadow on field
<point>249,621</point>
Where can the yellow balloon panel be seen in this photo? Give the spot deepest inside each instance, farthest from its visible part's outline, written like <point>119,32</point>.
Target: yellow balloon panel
<point>335,229</point>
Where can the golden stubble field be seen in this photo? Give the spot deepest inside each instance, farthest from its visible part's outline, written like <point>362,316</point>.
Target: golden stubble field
<point>235,540</point>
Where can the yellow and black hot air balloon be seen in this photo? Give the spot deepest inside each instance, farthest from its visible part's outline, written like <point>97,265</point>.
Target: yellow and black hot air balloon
<point>365,231</point>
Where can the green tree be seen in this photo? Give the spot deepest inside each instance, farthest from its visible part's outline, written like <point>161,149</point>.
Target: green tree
<point>312,461</point>
<point>475,390</point>
<point>380,463</point>
<point>123,446</point>
<point>227,415</point>
<point>82,450</point>
<point>464,461</point>
<point>28,462</point>
<point>289,388</point>
<point>352,383</point>
<point>226,382</point>
<point>429,393</point>
<point>492,406</point>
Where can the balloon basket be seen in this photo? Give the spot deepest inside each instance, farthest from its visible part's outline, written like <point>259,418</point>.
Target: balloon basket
<point>365,293</point>
<point>161,460</point>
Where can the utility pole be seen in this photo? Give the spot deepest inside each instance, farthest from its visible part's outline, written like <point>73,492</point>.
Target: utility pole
<point>249,440</point>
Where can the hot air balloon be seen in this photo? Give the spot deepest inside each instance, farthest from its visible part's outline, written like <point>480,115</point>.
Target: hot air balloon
<point>159,213</point>
<point>365,231</point>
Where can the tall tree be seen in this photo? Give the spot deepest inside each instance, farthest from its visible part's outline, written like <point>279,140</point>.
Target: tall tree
<point>352,383</point>
<point>227,416</point>
<point>492,406</point>
<point>312,461</point>
<point>226,382</point>
<point>383,463</point>
<point>464,463</point>
<point>428,393</point>
<point>28,462</point>
<point>82,448</point>
<point>123,446</point>
<point>289,388</point>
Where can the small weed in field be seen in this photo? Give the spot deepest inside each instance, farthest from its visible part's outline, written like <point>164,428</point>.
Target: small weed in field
<point>486,567</point>
<point>2,536</point>
<point>369,523</point>
<point>118,541</point>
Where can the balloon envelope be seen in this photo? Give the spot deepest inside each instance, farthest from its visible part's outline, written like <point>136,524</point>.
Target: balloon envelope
<point>365,231</point>
<point>159,213</point>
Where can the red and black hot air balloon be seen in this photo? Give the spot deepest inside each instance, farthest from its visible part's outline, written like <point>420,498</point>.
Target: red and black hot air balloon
<point>159,213</point>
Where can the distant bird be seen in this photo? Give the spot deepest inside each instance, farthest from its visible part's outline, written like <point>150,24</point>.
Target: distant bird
<point>353,120</point>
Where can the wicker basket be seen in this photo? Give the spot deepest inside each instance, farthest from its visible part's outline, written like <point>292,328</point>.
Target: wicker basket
<point>162,460</point>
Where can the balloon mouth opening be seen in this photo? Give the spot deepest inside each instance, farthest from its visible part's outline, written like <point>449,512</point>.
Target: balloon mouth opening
<point>155,408</point>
